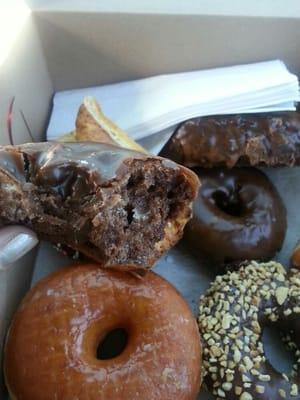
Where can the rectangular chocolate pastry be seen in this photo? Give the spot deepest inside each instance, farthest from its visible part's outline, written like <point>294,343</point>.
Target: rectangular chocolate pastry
<point>271,139</point>
<point>116,206</point>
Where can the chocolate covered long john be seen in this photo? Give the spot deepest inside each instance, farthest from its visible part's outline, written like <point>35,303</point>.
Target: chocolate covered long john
<point>263,139</point>
<point>114,205</point>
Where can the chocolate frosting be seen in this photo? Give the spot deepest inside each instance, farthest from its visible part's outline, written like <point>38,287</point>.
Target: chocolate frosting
<point>98,199</point>
<point>12,164</point>
<point>238,215</point>
<point>251,139</point>
<point>70,169</point>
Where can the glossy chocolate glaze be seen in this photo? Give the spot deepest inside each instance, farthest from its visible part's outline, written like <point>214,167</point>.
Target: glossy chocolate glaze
<point>13,165</point>
<point>72,168</point>
<point>98,199</point>
<point>261,139</point>
<point>51,350</point>
<point>232,317</point>
<point>238,215</point>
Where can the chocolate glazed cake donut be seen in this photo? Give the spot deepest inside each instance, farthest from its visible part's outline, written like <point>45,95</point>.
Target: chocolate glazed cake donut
<point>271,139</point>
<point>116,206</point>
<point>238,215</point>
<point>232,317</point>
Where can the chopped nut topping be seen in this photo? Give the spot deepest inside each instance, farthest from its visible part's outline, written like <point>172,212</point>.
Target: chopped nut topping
<point>264,378</point>
<point>248,363</point>
<point>260,389</point>
<point>281,294</point>
<point>230,316</point>
<point>237,356</point>
<point>294,390</point>
<point>216,351</point>
<point>238,390</point>
<point>226,321</point>
<point>246,396</point>
<point>282,393</point>
<point>227,386</point>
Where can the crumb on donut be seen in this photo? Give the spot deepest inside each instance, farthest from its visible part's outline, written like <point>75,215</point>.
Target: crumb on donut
<point>230,321</point>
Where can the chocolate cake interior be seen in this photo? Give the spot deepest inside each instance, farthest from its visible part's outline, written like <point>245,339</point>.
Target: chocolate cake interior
<point>137,212</point>
<point>122,219</point>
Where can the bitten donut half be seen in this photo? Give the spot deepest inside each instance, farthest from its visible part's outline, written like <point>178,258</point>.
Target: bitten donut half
<point>116,206</point>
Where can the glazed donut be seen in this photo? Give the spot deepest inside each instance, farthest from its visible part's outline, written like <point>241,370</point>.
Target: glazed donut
<point>232,317</point>
<point>51,349</point>
<point>238,215</point>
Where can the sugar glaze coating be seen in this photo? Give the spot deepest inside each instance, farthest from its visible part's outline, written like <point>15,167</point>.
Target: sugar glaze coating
<point>51,346</point>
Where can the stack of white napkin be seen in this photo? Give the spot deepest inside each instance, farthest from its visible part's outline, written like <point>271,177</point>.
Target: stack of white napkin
<point>147,106</point>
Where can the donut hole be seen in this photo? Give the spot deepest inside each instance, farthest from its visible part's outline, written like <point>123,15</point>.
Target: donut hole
<point>113,344</point>
<point>277,353</point>
<point>229,202</point>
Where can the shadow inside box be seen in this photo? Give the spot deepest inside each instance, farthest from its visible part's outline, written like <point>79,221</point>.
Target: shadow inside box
<point>191,277</point>
<point>186,272</point>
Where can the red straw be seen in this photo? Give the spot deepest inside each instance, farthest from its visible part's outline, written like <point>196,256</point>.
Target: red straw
<point>9,121</point>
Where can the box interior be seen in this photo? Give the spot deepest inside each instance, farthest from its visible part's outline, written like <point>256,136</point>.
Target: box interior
<point>57,48</point>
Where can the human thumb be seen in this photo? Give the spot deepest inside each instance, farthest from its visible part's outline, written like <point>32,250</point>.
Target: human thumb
<point>15,242</point>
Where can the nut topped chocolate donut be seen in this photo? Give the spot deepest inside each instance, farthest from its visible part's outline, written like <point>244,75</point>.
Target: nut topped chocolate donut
<point>232,317</point>
<point>238,215</point>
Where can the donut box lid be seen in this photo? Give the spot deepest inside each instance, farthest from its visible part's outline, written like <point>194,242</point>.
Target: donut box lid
<point>58,45</point>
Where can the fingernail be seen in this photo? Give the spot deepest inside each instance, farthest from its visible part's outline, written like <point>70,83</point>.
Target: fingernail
<point>15,248</point>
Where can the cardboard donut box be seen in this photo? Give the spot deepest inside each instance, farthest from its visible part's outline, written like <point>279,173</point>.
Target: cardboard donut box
<point>51,46</point>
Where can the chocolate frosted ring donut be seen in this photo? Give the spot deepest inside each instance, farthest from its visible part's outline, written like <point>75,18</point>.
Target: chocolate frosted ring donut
<point>232,317</point>
<point>238,215</point>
